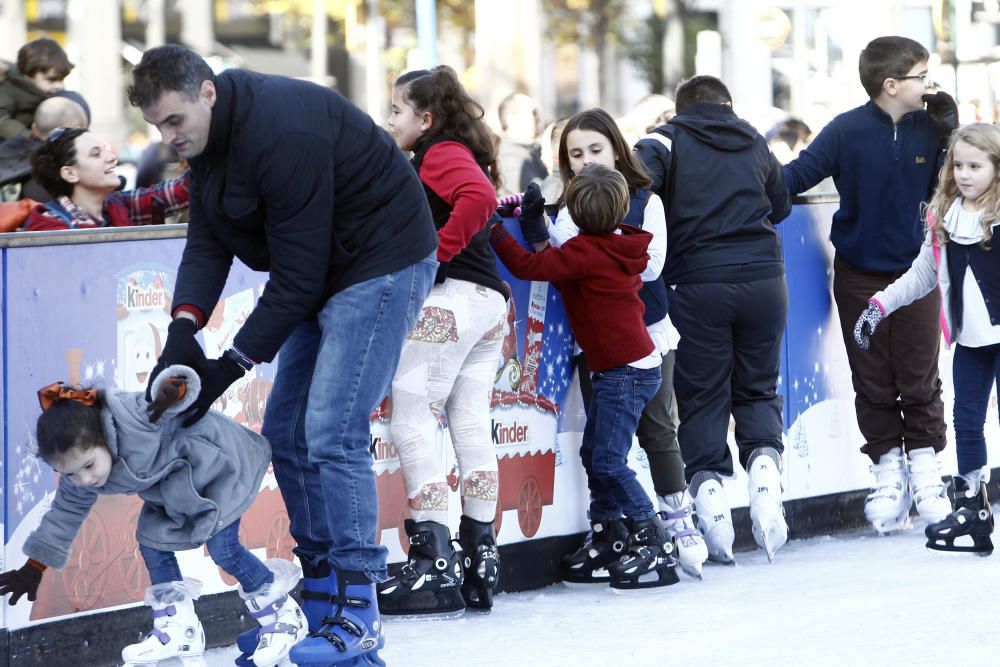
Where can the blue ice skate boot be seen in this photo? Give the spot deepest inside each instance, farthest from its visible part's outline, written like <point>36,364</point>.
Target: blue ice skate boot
<point>351,633</point>
<point>316,605</point>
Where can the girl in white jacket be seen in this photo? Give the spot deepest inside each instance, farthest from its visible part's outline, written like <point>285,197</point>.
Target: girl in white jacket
<point>959,258</point>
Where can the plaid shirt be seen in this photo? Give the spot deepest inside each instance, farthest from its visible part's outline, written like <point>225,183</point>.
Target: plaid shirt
<point>143,206</point>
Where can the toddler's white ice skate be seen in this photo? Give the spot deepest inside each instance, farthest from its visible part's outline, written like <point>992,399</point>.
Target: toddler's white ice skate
<point>887,507</point>
<point>766,511</point>
<point>282,622</point>
<point>926,486</point>
<point>714,519</point>
<point>177,632</point>
<point>677,511</point>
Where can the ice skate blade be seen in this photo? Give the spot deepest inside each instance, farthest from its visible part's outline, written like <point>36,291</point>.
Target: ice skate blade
<point>174,661</point>
<point>657,578</point>
<point>726,559</point>
<point>692,570</point>
<point>892,526</point>
<point>417,616</point>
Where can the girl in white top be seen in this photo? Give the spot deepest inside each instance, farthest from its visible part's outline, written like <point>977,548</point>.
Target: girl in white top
<point>959,258</point>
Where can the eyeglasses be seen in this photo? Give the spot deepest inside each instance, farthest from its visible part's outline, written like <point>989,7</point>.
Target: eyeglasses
<point>925,78</point>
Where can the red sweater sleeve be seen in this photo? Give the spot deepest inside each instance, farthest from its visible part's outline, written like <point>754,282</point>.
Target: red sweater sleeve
<point>550,264</point>
<point>451,172</point>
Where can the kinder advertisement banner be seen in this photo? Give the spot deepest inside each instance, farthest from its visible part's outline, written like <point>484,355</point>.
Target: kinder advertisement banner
<point>103,321</point>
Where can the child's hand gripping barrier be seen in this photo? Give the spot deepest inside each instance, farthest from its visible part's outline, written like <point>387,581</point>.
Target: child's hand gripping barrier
<point>533,227</point>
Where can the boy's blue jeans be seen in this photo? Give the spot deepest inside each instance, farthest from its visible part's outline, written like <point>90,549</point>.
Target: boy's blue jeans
<point>620,394</point>
<point>975,370</point>
<point>225,549</point>
<point>332,372</point>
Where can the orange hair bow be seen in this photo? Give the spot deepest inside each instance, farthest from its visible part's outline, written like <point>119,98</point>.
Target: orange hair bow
<point>57,391</point>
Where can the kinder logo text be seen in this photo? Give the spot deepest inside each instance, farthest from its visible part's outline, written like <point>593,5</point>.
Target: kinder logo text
<point>509,435</point>
<point>382,450</point>
<point>144,299</point>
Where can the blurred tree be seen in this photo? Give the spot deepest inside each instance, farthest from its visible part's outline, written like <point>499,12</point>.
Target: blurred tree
<point>591,23</point>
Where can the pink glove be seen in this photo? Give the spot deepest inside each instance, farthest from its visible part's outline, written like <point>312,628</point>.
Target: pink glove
<point>512,200</point>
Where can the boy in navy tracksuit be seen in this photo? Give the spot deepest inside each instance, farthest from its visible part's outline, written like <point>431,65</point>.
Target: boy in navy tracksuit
<point>723,191</point>
<point>883,157</point>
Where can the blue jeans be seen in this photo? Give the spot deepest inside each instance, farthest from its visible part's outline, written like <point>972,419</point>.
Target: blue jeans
<point>620,394</point>
<point>225,549</point>
<point>332,372</point>
<point>974,370</point>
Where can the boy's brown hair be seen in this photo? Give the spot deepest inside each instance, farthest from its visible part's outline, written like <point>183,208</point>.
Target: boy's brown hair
<point>41,55</point>
<point>597,199</point>
<point>888,58</point>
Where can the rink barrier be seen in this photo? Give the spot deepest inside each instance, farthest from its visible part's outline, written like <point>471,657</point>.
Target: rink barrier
<point>109,305</point>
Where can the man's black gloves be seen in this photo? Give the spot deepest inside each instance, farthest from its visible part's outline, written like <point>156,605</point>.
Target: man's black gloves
<point>943,111</point>
<point>23,581</point>
<point>533,227</point>
<point>181,348</point>
<point>866,324</point>
<point>216,376</point>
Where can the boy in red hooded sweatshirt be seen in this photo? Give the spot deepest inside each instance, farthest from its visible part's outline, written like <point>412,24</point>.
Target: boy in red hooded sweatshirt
<point>597,273</point>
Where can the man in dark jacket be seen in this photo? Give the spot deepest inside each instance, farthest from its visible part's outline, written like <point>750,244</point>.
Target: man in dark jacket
<point>723,191</point>
<point>293,179</point>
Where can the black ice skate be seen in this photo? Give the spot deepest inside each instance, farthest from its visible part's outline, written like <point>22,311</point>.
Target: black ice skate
<point>971,522</point>
<point>648,561</point>
<point>481,562</point>
<point>604,545</point>
<point>429,583</point>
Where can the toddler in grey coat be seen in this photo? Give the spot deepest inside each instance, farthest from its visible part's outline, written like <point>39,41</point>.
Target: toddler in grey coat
<point>195,482</point>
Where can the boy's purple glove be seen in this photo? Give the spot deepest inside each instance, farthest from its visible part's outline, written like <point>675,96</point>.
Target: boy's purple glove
<point>533,227</point>
<point>23,581</point>
<point>943,111</point>
<point>866,324</point>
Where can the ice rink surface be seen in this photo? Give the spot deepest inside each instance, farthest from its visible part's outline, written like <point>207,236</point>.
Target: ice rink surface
<point>850,600</point>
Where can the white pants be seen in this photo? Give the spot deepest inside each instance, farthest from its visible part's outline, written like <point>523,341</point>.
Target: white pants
<point>449,364</point>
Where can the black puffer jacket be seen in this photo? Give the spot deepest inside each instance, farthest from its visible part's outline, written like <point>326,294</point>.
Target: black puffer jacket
<point>297,181</point>
<point>722,200</point>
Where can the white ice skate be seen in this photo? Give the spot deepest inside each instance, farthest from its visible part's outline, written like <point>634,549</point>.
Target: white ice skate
<point>177,632</point>
<point>676,511</point>
<point>887,507</point>
<point>766,511</point>
<point>282,622</point>
<point>928,490</point>
<point>715,521</point>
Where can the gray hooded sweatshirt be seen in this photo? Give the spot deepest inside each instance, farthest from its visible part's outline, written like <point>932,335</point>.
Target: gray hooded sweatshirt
<point>194,481</point>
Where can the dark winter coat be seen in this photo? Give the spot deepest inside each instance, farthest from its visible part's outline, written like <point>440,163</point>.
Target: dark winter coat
<point>19,98</point>
<point>297,181</point>
<point>883,171</point>
<point>722,191</point>
<point>194,481</point>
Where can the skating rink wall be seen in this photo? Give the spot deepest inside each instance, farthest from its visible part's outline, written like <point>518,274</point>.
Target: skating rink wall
<point>92,306</point>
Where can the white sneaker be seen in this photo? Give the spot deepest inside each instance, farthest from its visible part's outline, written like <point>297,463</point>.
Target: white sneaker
<point>282,622</point>
<point>887,507</point>
<point>766,511</point>
<point>177,632</point>
<point>928,491</point>
<point>676,512</point>
<point>715,521</point>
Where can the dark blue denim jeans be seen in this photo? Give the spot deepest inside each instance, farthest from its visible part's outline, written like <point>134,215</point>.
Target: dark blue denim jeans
<point>974,370</point>
<point>332,372</point>
<point>225,549</point>
<point>620,394</point>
